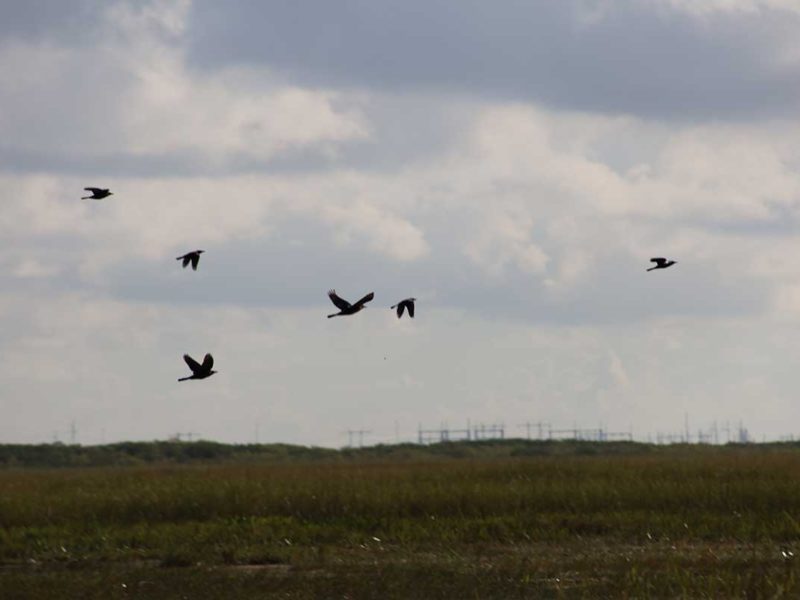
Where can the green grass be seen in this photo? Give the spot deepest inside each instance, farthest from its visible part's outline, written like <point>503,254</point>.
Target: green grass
<point>720,523</point>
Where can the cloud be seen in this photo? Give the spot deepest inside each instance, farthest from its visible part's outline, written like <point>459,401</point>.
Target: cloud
<point>664,59</point>
<point>560,218</point>
<point>512,166</point>
<point>711,7</point>
<point>385,233</point>
<point>132,95</point>
<point>48,19</point>
<point>617,371</point>
<point>32,268</point>
<point>504,239</point>
<point>111,366</point>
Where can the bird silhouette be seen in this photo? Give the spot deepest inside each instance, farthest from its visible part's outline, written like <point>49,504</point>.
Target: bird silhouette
<point>345,308</point>
<point>191,257</point>
<point>199,371</point>
<point>97,193</point>
<point>661,263</point>
<point>408,303</point>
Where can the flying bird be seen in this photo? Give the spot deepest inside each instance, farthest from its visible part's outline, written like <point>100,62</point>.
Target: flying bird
<point>661,263</point>
<point>345,308</point>
<point>97,193</point>
<point>199,371</point>
<point>408,303</point>
<point>191,257</point>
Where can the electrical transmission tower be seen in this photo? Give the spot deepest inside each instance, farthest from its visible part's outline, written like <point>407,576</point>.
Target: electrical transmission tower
<point>539,425</point>
<point>351,433</point>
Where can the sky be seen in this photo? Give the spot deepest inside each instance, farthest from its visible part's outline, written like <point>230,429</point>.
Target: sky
<point>512,165</point>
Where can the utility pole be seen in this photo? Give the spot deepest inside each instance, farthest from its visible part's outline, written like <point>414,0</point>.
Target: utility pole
<point>686,426</point>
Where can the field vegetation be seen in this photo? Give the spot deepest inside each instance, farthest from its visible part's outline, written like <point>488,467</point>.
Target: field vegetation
<point>495,520</point>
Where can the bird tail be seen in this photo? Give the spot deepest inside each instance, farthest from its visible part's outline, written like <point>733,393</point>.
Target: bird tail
<point>652,268</point>
<point>86,197</point>
<point>334,315</point>
<point>184,378</point>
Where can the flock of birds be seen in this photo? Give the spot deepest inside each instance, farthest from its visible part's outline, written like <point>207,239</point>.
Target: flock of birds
<point>206,368</point>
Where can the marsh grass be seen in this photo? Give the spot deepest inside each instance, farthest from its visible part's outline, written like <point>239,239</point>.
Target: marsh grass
<point>712,523</point>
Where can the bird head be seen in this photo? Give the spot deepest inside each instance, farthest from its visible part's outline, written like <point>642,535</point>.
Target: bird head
<point>199,251</point>
<point>211,372</point>
<point>413,299</point>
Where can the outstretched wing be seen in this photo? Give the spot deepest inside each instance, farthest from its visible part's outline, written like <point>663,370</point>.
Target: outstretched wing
<point>340,303</point>
<point>193,364</point>
<point>195,260</point>
<point>93,190</point>
<point>400,308</point>
<point>658,261</point>
<point>410,305</point>
<point>365,299</point>
<point>186,260</point>
<point>208,362</point>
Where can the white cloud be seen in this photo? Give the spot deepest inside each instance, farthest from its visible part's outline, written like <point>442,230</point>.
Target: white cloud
<point>617,370</point>
<point>727,173</point>
<point>153,218</point>
<point>32,268</point>
<point>384,232</point>
<point>38,205</point>
<point>506,238</point>
<point>132,93</point>
<point>528,214</point>
<point>710,7</point>
<point>523,189</point>
<point>689,188</point>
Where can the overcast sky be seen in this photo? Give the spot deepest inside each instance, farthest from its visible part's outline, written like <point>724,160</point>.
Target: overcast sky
<point>513,165</point>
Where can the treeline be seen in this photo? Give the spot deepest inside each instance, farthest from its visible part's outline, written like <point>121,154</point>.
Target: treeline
<point>174,452</point>
<point>142,453</point>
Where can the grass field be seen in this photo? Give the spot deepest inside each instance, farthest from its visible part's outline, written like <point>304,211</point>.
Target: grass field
<point>713,522</point>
